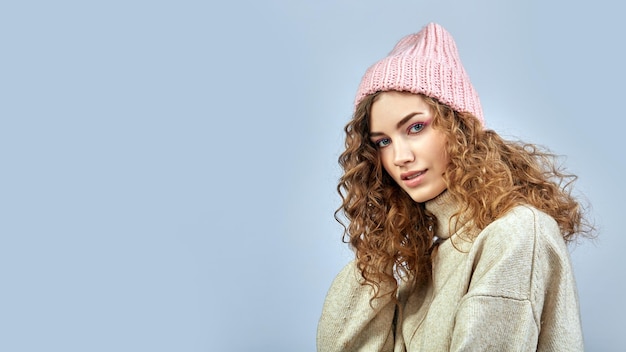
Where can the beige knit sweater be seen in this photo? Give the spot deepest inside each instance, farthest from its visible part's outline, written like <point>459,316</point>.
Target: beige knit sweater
<point>511,289</point>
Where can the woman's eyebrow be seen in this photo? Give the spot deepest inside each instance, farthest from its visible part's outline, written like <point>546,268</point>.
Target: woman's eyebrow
<point>399,124</point>
<point>407,118</point>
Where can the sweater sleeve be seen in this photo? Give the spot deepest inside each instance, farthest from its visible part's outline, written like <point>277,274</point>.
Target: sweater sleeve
<point>491,323</point>
<point>348,321</point>
<point>517,281</point>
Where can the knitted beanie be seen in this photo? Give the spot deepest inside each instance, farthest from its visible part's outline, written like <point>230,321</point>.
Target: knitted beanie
<point>426,62</point>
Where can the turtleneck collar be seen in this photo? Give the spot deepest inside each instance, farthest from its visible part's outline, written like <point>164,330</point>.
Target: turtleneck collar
<point>443,207</point>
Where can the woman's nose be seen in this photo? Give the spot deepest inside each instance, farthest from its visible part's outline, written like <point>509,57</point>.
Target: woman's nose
<point>402,153</point>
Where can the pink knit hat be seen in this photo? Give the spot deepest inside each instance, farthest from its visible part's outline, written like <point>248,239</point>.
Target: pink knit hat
<point>426,62</point>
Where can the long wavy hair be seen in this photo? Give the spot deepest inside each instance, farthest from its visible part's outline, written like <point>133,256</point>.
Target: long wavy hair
<point>392,235</point>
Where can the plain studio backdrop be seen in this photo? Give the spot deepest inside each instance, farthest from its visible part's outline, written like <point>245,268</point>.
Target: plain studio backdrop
<point>169,167</point>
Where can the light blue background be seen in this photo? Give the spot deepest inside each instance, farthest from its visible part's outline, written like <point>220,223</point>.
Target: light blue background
<point>169,167</point>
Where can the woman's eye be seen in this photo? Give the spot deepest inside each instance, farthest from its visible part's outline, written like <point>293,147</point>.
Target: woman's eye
<point>383,142</point>
<point>414,128</point>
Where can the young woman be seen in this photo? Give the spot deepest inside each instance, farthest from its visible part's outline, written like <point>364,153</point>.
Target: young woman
<point>460,236</point>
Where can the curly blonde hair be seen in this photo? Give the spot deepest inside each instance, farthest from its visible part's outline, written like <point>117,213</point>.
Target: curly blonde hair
<point>392,235</point>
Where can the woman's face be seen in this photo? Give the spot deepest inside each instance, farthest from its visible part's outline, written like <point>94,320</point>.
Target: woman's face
<point>412,152</point>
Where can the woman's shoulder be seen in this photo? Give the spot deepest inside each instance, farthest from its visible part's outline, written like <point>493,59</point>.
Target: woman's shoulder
<point>524,225</point>
<point>526,215</point>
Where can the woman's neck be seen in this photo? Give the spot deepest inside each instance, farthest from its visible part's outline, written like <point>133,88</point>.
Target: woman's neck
<point>443,207</point>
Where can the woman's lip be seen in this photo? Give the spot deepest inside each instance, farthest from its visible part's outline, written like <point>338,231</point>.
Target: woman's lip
<point>406,175</point>
<point>413,179</point>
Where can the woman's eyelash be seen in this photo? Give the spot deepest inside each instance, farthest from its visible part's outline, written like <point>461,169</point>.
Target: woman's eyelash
<point>413,128</point>
<point>383,142</point>
<point>416,127</point>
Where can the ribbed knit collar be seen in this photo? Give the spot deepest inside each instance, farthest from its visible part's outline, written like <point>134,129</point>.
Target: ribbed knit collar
<point>443,207</point>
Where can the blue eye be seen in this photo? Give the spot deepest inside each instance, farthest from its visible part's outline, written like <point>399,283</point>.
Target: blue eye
<point>383,142</point>
<point>416,127</point>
